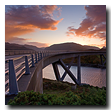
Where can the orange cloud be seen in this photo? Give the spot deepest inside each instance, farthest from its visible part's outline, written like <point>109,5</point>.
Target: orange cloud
<point>69,33</point>
<point>94,25</point>
<point>11,32</point>
<point>99,45</point>
<point>37,44</point>
<point>20,20</point>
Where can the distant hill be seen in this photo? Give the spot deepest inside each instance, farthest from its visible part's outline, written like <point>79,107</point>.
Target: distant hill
<point>71,46</point>
<point>62,46</point>
<point>32,47</point>
<point>13,46</point>
<point>103,49</point>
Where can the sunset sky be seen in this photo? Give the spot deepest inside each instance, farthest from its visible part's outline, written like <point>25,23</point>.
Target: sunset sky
<point>44,25</point>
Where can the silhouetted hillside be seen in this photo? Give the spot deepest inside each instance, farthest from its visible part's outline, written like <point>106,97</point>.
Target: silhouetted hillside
<point>62,46</point>
<point>103,49</point>
<point>32,47</point>
<point>71,46</point>
<point>12,46</point>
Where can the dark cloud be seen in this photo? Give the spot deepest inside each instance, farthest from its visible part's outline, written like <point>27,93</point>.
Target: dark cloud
<point>97,13</point>
<point>94,25</point>
<point>25,19</point>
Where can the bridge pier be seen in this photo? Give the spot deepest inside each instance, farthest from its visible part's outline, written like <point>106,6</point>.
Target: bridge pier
<point>101,57</point>
<point>79,69</point>
<point>56,71</point>
<point>67,71</point>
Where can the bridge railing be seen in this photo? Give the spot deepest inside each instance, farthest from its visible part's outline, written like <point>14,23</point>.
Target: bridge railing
<point>16,67</point>
<point>19,52</point>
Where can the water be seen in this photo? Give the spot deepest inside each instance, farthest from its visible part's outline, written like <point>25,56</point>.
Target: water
<point>89,75</point>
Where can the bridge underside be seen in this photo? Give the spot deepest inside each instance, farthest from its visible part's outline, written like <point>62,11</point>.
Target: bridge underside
<point>33,80</point>
<point>67,71</point>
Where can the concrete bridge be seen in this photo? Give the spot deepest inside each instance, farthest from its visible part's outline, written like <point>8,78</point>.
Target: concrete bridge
<point>24,72</point>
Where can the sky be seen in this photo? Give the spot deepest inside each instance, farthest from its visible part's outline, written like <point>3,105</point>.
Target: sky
<point>44,25</point>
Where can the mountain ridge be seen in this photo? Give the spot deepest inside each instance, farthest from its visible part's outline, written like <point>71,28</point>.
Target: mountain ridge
<point>14,46</point>
<point>71,46</point>
<point>61,46</point>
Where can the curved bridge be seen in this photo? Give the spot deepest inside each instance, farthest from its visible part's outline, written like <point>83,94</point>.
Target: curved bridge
<point>32,80</point>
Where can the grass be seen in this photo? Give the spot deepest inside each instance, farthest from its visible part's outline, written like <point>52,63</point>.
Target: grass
<point>62,93</point>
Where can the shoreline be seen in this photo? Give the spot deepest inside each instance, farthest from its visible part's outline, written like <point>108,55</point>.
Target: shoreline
<point>90,65</point>
<point>70,83</point>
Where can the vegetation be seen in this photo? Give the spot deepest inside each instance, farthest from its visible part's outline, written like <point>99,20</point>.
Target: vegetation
<point>90,59</point>
<point>62,93</point>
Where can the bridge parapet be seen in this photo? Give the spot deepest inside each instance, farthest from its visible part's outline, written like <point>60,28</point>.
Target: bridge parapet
<point>18,66</point>
<point>20,52</point>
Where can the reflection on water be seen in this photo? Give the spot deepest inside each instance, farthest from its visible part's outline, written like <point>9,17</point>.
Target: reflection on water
<point>89,75</point>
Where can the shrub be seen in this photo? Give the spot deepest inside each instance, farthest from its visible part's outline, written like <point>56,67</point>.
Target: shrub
<point>32,98</point>
<point>60,93</point>
<point>93,97</point>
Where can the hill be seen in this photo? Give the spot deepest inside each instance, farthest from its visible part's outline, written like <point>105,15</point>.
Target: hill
<point>62,46</point>
<point>71,46</point>
<point>13,46</point>
<point>32,47</point>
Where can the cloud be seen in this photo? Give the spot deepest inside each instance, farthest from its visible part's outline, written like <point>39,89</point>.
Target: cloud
<point>69,33</point>
<point>22,41</point>
<point>17,40</point>
<point>97,13</point>
<point>99,45</point>
<point>37,44</point>
<point>22,19</point>
<point>94,25</point>
<point>13,31</point>
<point>49,9</point>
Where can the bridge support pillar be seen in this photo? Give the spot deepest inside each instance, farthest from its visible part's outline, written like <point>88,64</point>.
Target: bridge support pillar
<point>56,71</point>
<point>102,63</point>
<point>101,59</point>
<point>79,70</point>
<point>13,86</point>
<point>65,73</point>
<point>35,58</point>
<point>68,71</point>
<point>26,66</point>
<point>32,61</point>
<point>38,56</point>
